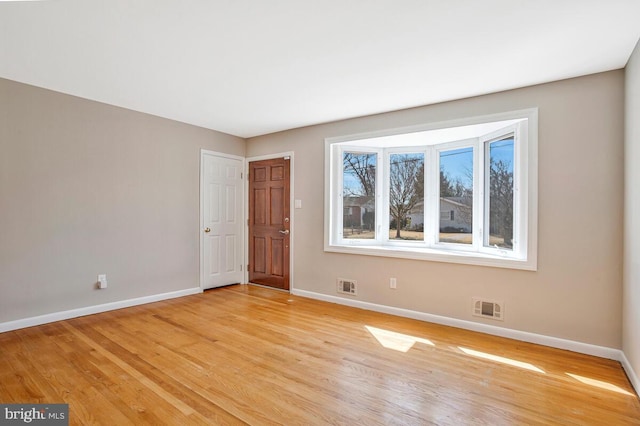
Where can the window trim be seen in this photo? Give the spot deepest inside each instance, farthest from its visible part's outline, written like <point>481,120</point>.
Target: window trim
<point>525,197</point>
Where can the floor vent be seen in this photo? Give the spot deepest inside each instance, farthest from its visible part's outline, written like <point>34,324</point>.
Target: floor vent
<point>488,309</point>
<point>347,286</point>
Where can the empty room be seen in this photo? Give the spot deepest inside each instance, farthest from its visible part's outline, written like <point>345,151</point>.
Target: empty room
<point>330,212</point>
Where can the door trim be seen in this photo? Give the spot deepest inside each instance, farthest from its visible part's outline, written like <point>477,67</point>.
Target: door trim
<point>291,211</point>
<point>243,196</point>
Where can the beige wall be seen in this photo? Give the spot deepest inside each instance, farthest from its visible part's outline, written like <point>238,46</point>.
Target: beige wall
<point>576,293</point>
<point>631,311</point>
<point>87,188</point>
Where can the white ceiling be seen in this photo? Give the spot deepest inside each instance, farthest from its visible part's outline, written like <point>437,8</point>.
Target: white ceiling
<point>251,67</point>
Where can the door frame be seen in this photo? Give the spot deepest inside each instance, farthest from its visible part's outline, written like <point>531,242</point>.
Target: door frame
<point>291,212</point>
<point>243,197</point>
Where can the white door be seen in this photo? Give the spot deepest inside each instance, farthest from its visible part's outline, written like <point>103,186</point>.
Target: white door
<point>221,248</point>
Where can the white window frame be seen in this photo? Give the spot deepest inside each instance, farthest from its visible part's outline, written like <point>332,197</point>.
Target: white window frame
<point>524,125</point>
<point>340,217</point>
<point>519,232</point>
<point>386,188</point>
<point>435,214</point>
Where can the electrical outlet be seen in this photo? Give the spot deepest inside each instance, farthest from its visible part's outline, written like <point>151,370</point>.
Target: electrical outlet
<point>392,283</point>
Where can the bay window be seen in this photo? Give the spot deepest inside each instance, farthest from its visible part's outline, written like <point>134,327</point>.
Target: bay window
<point>463,192</point>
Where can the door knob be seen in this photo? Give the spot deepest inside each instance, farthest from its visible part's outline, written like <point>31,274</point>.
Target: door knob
<point>284,231</point>
<point>207,229</point>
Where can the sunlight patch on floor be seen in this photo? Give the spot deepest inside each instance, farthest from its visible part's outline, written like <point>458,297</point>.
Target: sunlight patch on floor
<point>502,360</point>
<point>599,384</point>
<point>396,341</point>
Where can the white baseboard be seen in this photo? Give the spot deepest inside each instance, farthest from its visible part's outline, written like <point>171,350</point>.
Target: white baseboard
<point>540,339</point>
<point>633,377</point>
<point>89,310</point>
<point>585,348</point>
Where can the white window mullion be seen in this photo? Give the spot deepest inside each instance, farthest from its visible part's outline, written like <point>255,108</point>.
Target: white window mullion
<point>384,206</point>
<point>516,192</point>
<point>478,195</point>
<point>435,195</point>
<point>486,190</point>
<point>432,176</point>
<point>426,227</point>
<point>377,202</point>
<point>381,176</point>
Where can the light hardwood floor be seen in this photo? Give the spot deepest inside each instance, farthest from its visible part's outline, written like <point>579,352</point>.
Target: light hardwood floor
<point>250,355</point>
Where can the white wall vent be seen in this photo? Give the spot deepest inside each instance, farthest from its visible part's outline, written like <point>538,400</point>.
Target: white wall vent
<point>347,286</point>
<point>488,309</point>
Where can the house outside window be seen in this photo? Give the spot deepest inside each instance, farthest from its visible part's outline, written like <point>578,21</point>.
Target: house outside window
<point>462,191</point>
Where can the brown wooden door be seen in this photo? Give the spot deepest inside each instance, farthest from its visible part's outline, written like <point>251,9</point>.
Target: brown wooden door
<point>269,220</point>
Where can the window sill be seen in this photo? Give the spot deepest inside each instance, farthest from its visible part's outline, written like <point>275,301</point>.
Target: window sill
<point>436,255</point>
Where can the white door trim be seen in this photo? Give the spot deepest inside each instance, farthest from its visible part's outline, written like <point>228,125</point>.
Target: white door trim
<point>204,152</point>
<point>291,211</point>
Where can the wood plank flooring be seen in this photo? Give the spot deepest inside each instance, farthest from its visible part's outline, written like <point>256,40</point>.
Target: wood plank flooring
<point>250,355</point>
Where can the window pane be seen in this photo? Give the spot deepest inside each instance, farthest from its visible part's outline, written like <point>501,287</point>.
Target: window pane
<point>456,196</point>
<point>406,196</point>
<point>358,201</point>
<point>501,193</point>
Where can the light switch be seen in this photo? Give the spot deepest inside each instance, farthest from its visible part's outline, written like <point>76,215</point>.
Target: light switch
<point>102,281</point>
<point>298,204</point>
